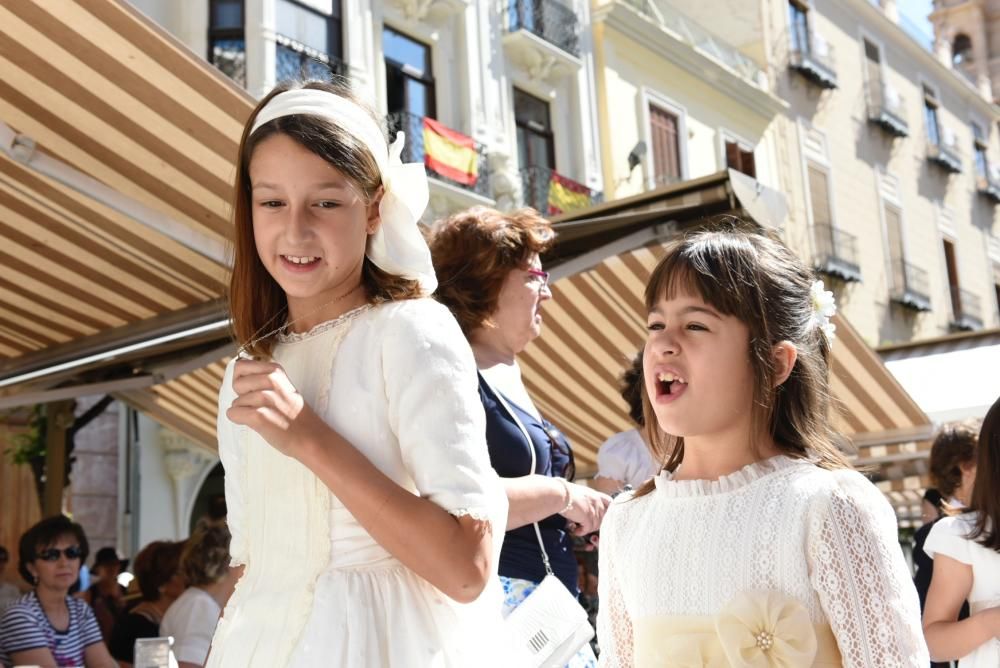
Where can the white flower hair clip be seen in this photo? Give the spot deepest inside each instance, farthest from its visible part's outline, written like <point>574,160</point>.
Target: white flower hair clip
<point>824,307</point>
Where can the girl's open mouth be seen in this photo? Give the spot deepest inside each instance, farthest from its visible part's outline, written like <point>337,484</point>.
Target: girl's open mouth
<point>299,262</point>
<point>669,386</point>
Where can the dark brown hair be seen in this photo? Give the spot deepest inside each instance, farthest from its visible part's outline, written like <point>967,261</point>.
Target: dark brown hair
<point>631,387</point>
<point>43,535</point>
<point>985,497</point>
<point>475,249</point>
<point>754,277</point>
<point>954,447</point>
<point>155,565</point>
<point>256,301</point>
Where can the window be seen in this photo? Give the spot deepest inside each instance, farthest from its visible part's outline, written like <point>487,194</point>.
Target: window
<point>309,42</point>
<point>664,132</point>
<point>873,68</point>
<point>952,266</point>
<point>996,283</point>
<point>961,50</point>
<point>535,141</point>
<point>893,217</point>
<point>819,196</point>
<point>798,23</point>
<point>931,117</point>
<point>979,151</point>
<point>409,76</point>
<point>740,158</point>
<point>226,41</point>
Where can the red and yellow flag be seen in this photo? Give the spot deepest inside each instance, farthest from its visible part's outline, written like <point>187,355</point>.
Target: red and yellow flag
<point>450,154</point>
<point>566,195</point>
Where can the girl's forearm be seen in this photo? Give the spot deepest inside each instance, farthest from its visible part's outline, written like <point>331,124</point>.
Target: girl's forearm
<point>948,641</point>
<point>452,553</point>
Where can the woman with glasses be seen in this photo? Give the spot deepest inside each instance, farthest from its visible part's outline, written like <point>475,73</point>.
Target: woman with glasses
<point>491,277</point>
<point>48,627</point>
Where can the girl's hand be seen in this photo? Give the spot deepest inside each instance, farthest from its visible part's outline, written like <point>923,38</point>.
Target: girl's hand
<point>267,402</point>
<point>587,508</point>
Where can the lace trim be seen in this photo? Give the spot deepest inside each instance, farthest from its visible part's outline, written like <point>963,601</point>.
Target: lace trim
<point>475,513</point>
<point>295,337</point>
<point>665,484</point>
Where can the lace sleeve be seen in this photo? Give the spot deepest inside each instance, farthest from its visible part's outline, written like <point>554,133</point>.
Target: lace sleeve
<point>863,583</point>
<point>614,626</point>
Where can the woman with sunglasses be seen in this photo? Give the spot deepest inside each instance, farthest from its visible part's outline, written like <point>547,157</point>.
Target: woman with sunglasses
<point>490,276</point>
<point>48,627</point>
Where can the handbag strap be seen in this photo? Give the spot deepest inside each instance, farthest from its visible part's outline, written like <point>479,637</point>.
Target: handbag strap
<point>531,448</point>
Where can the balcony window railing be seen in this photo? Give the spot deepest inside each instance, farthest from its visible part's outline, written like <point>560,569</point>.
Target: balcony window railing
<point>551,193</point>
<point>813,57</point>
<point>230,56</point>
<point>448,156</point>
<point>886,108</point>
<point>945,155</point>
<point>295,60</point>
<point>966,308</point>
<point>551,20</point>
<point>988,184</point>
<point>910,286</point>
<point>836,253</point>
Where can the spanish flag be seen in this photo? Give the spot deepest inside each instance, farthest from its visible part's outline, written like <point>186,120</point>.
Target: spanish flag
<point>566,195</point>
<point>450,154</point>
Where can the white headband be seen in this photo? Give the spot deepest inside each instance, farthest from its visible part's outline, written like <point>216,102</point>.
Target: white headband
<point>397,247</point>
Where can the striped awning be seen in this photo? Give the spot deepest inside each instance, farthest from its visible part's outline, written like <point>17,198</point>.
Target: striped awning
<point>116,166</point>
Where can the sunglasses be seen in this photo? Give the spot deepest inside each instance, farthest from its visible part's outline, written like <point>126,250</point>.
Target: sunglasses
<point>561,445</point>
<point>53,553</point>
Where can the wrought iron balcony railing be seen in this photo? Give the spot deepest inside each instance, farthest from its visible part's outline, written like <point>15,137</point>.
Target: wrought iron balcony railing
<point>910,286</point>
<point>295,60</point>
<point>551,20</point>
<point>886,108</point>
<point>945,156</point>
<point>230,56</point>
<point>813,57</point>
<point>551,193</point>
<point>694,34</point>
<point>988,184</point>
<point>448,156</point>
<point>836,253</point>
<point>966,309</point>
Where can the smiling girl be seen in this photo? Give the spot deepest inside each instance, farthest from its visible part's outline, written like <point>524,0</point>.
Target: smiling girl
<point>756,544</point>
<point>361,499</point>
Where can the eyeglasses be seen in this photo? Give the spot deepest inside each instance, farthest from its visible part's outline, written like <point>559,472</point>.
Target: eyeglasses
<point>561,445</point>
<point>53,553</point>
<point>544,275</point>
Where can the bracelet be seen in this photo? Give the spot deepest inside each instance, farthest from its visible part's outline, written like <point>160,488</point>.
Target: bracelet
<point>569,496</point>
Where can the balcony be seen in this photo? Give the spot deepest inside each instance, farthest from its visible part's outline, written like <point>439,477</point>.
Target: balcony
<point>945,156</point>
<point>886,108</point>
<point>836,253</point>
<point>543,37</point>
<point>451,158</point>
<point>811,56</point>
<point>551,193</point>
<point>295,60</point>
<point>966,310</point>
<point>230,56</point>
<point>988,184</point>
<point>910,286</point>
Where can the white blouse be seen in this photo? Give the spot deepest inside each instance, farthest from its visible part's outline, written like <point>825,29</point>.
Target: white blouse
<point>950,537</point>
<point>824,540</point>
<point>626,457</point>
<point>397,381</point>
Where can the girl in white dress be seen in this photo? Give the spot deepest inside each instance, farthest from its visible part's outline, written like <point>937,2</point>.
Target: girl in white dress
<point>757,544</point>
<point>966,553</point>
<point>360,494</point>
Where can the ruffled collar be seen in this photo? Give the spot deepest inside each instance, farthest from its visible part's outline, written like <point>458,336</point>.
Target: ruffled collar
<point>294,337</point>
<point>665,484</point>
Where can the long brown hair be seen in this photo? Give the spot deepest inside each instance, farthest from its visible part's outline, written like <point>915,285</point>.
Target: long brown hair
<point>985,497</point>
<point>752,276</point>
<point>256,301</point>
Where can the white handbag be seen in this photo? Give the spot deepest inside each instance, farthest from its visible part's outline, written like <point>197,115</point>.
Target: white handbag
<point>549,626</point>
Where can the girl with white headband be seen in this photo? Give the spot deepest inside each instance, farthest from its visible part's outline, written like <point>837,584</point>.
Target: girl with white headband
<point>361,499</point>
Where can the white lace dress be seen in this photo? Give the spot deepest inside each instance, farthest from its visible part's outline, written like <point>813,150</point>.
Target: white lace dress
<point>398,381</point>
<point>778,564</point>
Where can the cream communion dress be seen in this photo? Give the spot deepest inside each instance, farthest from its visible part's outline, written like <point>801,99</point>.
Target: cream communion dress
<point>780,564</point>
<point>398,381</point>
